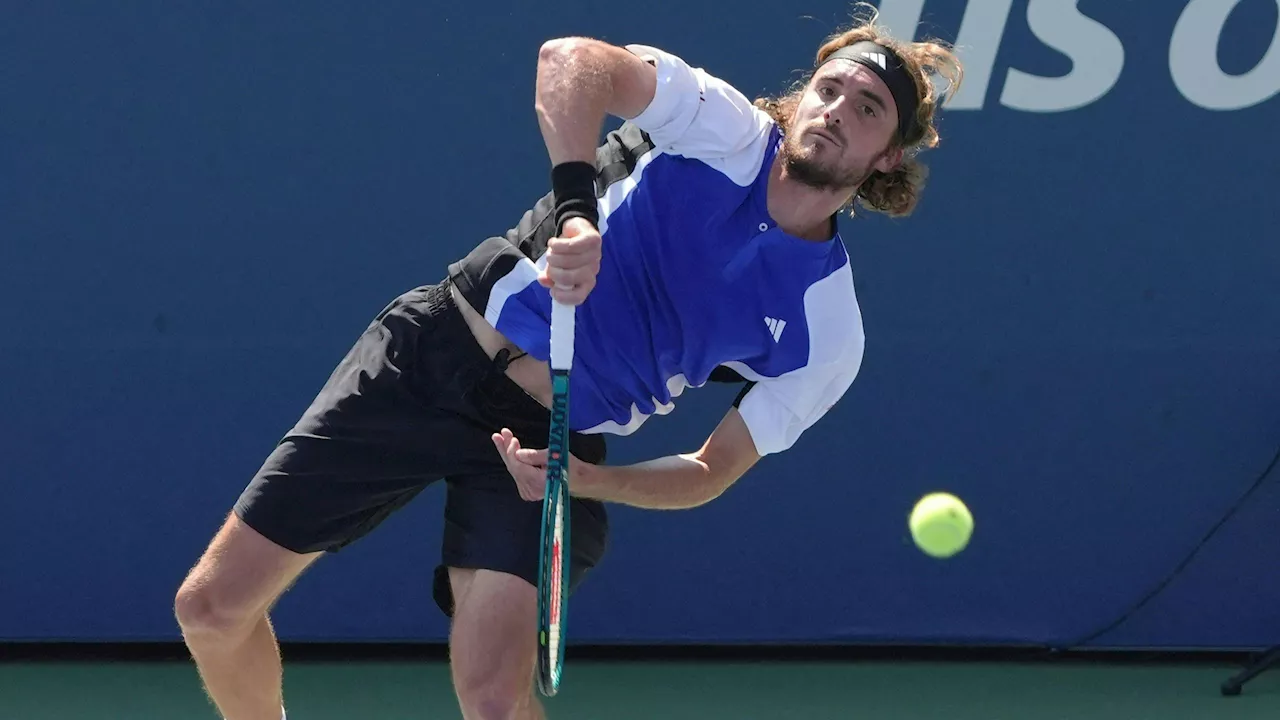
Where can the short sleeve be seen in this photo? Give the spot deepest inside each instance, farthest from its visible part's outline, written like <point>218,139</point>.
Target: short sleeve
<point>778,410</point>
<point>696,114</point>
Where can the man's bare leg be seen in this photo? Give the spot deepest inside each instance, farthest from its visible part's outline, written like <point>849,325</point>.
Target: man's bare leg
<point>493,646</point>
<point>222,610</point>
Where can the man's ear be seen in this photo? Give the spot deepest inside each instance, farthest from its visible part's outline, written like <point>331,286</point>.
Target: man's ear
<point>889,159</point>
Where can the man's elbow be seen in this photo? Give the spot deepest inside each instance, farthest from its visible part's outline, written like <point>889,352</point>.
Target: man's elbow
<point>711,492</point>
<point>724,464</point>
<point>624,82</point>
<point>716,484</point>
<point>564,50</point>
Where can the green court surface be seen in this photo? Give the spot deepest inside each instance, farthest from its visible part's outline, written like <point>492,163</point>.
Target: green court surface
<point>669,690</point>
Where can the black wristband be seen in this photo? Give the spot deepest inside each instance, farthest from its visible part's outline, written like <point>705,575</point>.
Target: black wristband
<point>573,186</point>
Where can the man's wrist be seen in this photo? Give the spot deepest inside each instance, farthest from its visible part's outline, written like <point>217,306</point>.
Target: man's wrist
<point>573,186</point>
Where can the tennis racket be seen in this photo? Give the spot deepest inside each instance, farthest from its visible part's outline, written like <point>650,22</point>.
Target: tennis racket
<point>553,575</point>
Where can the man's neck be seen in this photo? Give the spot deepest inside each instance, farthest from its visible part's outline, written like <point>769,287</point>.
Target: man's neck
<point>802,210</point>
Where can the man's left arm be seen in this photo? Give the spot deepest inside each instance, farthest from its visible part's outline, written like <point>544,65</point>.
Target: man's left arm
<point>675,482</point>
<point>766,418</point>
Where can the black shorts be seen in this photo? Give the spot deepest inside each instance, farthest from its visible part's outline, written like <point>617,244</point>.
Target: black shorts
<point>416,400</point>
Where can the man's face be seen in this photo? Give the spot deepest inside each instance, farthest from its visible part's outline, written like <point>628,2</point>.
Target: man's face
<point>842,128</point>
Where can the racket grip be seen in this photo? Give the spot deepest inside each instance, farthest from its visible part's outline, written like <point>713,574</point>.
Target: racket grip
<point>562,317</point>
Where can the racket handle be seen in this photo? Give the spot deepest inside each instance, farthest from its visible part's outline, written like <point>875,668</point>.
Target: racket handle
<point>562,317</point>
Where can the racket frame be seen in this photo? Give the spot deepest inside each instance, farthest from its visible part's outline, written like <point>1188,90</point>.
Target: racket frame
<point>553,570</point>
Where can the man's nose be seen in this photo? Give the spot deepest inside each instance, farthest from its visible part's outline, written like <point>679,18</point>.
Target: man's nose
<point>830,114</point>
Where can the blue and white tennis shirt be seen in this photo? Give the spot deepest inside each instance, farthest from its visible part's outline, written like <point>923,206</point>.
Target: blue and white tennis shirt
<point>695,274</point>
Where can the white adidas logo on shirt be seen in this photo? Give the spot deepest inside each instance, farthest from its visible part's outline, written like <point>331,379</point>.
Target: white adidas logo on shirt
<point>775,327</point>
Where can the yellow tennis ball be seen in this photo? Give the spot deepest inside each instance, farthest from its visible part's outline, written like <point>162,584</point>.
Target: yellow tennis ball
<point>941,525</point>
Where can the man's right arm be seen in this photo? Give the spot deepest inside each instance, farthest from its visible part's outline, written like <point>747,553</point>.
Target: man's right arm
<point>579,82</point>
<point>684,110</point>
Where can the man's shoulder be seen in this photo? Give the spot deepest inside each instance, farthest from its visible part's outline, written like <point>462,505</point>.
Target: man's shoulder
<point>834,316</point>
<point>696,113</point>
<point>670,63</point>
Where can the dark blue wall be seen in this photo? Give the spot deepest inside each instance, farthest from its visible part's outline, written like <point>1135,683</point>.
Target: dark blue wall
<point>202,204</point>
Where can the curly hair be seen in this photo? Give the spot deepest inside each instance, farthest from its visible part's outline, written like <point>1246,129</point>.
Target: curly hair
<point>896,192</point>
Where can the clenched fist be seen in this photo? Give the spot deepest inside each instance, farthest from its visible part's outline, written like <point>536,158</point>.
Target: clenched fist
<point>573,260</point>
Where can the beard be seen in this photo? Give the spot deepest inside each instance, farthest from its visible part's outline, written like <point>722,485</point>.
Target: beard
<point>805,167</point>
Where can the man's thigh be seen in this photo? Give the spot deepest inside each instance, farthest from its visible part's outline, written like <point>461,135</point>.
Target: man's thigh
<point>373,437</point>
<point>492,643</point>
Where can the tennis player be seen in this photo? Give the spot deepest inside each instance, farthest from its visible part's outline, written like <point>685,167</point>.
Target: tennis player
<point>699,243</point>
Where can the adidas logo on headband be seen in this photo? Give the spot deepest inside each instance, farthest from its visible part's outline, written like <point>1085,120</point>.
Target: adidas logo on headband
<point>878,58</point>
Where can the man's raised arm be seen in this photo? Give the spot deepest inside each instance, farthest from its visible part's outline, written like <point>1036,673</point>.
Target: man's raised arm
<point>579,82</point>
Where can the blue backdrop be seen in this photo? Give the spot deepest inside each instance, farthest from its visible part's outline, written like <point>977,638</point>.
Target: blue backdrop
<point>202,204</point>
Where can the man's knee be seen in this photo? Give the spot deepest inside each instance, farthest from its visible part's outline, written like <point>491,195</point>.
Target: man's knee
<point>493,707</point>
<point>238,577</point>
<point>203,609</point>
<point>492,695</point>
